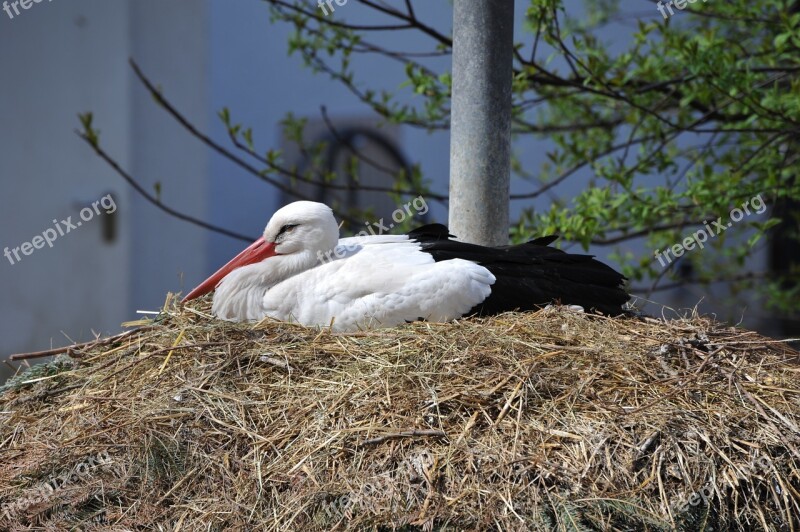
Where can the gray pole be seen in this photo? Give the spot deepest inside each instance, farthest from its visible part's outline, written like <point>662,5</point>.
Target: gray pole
<point>480,121</point>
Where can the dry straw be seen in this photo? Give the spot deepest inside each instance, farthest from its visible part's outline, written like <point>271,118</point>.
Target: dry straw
<point>553,420</point>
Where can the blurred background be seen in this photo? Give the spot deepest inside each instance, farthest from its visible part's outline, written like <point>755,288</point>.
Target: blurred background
<point>63,58</point>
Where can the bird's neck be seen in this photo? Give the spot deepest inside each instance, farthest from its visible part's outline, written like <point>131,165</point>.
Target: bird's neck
<point>240,292</point>
<point>276,269</point>
<point>281,267</point>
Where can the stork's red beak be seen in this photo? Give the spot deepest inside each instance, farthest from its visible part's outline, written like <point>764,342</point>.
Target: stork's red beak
<point>255,252</point>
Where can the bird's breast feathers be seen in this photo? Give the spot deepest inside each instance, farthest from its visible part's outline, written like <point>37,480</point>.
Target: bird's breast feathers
<point>379,285</point>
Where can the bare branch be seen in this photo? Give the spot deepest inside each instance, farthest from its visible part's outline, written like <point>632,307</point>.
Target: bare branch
<point>152,199</point>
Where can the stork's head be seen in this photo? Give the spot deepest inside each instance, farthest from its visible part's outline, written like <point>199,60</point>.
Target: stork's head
<point>302,226</point>
<point>301,229</point>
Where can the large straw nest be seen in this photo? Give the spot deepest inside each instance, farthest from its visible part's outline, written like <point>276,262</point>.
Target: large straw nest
<point>553,420</point>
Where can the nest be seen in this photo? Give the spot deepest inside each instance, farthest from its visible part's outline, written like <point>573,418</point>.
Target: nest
<point>553,420</point>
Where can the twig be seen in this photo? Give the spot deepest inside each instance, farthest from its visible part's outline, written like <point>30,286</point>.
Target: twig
<point>151,198</point>
<point>510,400</point>
<point>412,433</point>
<point>205,139</point>
<point>339,137</point>
<point>76,347</point>
<point>160,351</point>
<point>228,154</point>
<point>731,374</point>
<point>276,362</point>
<point>44,395</point>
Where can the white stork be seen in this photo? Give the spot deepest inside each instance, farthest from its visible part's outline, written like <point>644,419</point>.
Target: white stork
<point>301,271</point>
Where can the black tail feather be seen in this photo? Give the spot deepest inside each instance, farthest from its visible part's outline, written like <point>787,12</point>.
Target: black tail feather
<point>532,275</point>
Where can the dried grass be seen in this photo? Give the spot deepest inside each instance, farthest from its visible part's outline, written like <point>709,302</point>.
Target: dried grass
<point>553,420</point>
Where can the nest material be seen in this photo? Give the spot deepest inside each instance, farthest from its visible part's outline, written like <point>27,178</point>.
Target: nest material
<point>554,420</point>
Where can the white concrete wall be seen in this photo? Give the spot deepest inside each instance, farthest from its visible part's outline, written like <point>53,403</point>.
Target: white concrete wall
<point>171,44</point>
<point>60,59</point>
<point>63,58</point>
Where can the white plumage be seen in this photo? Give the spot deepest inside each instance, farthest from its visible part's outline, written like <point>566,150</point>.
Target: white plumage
<point>300,271</point>
<point>375,284</point>
<point>366,282</point>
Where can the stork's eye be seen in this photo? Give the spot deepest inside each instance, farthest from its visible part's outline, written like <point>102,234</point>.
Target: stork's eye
<point>288,228</point>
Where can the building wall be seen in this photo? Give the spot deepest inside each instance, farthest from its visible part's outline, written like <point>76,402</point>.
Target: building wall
<point>60,59</point>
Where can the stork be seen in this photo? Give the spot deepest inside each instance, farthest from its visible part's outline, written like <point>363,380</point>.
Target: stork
<point>300,271</point>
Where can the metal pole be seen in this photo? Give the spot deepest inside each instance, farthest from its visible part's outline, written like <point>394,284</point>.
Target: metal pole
<point>480,122</point>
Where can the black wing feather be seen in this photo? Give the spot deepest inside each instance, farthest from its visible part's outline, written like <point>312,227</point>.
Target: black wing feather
<point>531,275</point>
